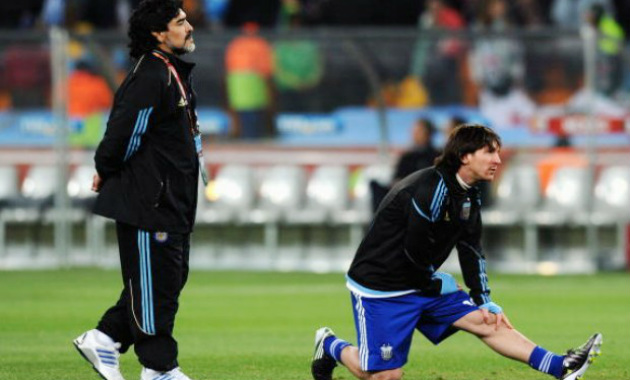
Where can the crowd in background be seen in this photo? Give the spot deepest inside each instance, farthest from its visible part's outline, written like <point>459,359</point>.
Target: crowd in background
<point>105,14</point>
<point>507,78</point>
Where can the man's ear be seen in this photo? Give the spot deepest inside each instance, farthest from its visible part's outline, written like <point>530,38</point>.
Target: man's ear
<point>160,36</point>
<point>465,159</point>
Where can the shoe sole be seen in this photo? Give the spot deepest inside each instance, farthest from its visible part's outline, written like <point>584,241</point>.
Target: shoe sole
<point>76,345</point>
<point>593,353</point>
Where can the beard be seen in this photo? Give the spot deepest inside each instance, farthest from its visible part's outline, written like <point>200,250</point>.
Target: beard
<point>188,47</point>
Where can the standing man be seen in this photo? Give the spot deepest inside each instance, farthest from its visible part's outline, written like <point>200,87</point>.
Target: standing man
<point>422,154</point>
<point>395,285</point>
<point>148,165</point>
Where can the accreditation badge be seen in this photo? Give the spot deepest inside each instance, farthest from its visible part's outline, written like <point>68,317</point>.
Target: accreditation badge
<point>202,165</point>
<point>465,214</point>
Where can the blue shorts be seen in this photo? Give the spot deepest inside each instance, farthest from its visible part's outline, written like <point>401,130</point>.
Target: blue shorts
<point>385,325</point>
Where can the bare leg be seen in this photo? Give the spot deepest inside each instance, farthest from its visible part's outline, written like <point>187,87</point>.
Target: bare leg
<point>505,341</point>
<point>350,359</point>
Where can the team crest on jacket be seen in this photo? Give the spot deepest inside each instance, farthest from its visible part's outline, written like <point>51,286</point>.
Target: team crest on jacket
<point>182,102</point>
<point>465,214</point>
<point>161,237</point>
<point>386,352</point>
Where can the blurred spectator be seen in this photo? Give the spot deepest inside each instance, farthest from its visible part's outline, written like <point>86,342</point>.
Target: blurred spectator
<point>263,13</point>
<point>195,12</point>
<point>530,14</point>
<point>469,10</point>
<point>5,99</point>
<point>497,67</point>
<point>290,14</point>
<point>422,154</point>
<point>436,59</point>
<point>609,67</point>
<point>54,12</point>
<point>452,123</point>
<point>93,14</point>
<point>298,63</point>
<point>19,14</point>
<point>571,13</point>
<point>26,75</point>
<point>622,14</point>
<point>610,49</point>
<point>249,66</point>
<point>362,12</point>
<point>215,11</point>
<point>555,88</point>
<point>493,15</point>
<point>100,14</point>
<point>88,92</point>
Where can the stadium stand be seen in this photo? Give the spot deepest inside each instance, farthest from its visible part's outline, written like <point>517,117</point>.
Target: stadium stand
<point>9,193</point>
<point>338,121</point>
<point>359,214</point>
<point>29,210</point>
<point>231,195</point>
<point>612,196</point>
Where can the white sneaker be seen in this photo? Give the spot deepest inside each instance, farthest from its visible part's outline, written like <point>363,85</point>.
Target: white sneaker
<point>174,374</point>
<point>102,352</point>
<point>322,365</point>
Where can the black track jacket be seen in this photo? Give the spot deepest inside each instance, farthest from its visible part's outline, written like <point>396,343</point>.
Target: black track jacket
<point>147,158</point>
<point>414,230</point>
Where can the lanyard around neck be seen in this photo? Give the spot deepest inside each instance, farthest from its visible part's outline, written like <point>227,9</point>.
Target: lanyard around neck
<point>193,126</point>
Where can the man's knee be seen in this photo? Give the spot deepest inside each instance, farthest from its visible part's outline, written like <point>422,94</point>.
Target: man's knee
<point>390,374</point>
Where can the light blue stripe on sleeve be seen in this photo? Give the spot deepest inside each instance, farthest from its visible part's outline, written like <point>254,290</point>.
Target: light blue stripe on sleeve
<point>143,128</point>
<point>415,205</point>
<point>484,280</point>
<point>134,134</point>
<point>138,130</point>
<point>436,194</point>
<point>435,212</point>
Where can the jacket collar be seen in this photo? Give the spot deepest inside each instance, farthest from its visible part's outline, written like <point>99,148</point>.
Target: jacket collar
<point>183,68</point>
<point>453,186</point>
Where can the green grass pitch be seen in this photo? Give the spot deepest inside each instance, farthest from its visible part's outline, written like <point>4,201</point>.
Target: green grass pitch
<point>255,326</point>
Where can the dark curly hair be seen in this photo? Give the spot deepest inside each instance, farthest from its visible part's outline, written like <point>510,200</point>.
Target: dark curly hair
<point>150,16</point>
<point>464,139</point>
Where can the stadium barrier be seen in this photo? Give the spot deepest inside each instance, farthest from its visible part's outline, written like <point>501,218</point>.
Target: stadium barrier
<point>309,215</point>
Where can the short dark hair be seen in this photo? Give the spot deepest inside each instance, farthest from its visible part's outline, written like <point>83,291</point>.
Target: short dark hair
<point>427,125</point>
<point>465,139</point>
<point>150,16</point>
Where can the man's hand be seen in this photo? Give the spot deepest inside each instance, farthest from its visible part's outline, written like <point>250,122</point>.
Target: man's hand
<point>97,183</point>
<point>492,308</point>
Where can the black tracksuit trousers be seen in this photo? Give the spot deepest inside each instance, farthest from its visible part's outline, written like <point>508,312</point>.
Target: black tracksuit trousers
<point>154,270</point>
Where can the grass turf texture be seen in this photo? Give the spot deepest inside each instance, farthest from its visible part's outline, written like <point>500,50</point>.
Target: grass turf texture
<point>252,326</point>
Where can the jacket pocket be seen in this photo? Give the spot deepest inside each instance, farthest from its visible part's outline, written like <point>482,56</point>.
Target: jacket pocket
<point>157,199</point>
<point>164,196</point>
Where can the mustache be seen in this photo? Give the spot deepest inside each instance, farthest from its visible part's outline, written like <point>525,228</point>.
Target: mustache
<point>189,36</point>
